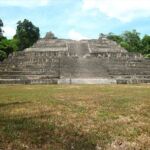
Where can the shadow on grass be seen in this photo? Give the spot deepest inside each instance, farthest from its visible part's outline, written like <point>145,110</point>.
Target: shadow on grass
<point>13,104</point>
<point>22,132</point>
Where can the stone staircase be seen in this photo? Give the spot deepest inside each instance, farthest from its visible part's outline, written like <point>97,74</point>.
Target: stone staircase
<point>78,48</point>
<point>82,68</point>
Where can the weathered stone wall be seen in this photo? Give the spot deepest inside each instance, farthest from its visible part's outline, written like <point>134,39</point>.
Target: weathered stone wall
<point>105,45</point>
<point>27,66</point>
<point>118,55</point>
<point>44,43</point>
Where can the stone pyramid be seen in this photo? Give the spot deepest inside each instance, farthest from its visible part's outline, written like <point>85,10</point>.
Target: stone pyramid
<point>64,61</point>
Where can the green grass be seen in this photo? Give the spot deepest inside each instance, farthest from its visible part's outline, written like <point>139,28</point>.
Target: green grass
<point>64,117</point>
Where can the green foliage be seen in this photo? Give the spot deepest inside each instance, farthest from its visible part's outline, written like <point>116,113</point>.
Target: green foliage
<point>125,45</point>
<point>26,34</point>
<point>147,56</point>
<point>2,38</point>
<point>146,44</point>
<point>3,55</point>
<point>8,46</point>
<point>1,25</point>
<point>114,37</point>
<point>132,41</point>
<point>13,44</point>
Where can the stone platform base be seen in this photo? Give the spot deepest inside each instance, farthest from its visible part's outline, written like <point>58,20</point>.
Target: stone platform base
<point>102,81</point>
<point>75,81</point>
<point>86,81</point>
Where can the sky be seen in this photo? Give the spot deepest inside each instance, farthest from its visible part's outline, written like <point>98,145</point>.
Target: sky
<point>77,19</point>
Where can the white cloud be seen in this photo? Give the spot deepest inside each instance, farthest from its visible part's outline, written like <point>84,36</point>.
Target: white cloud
<point>74,35</point>
<point>9,32</point>
<point>124,10</point>
<point>24,3</point>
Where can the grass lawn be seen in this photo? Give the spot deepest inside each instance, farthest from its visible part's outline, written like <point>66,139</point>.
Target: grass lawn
<point>74,117</point>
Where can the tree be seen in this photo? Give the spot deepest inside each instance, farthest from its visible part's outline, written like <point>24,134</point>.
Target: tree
<point>50,35</point>
<point>1,31</point>
<point>7,46</point>
<point>26,34</point>
<point>146,44</point>
<point>3,55</point>
<point>114,37</point>
<point>131,41</point>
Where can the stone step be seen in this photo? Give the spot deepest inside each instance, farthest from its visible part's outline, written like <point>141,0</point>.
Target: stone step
<point>132,81</point>
<point>39,72</point>
<point>27,76</point>
<point>121,72</point>
<point>18,81</point>
<point>78,48</point>
<point>132,76</point>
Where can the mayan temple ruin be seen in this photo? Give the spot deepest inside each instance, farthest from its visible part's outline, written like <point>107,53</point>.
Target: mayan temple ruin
<point>61,61</point>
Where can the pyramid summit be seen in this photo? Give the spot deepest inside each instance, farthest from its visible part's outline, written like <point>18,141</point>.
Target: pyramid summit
<point>62,61</point>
